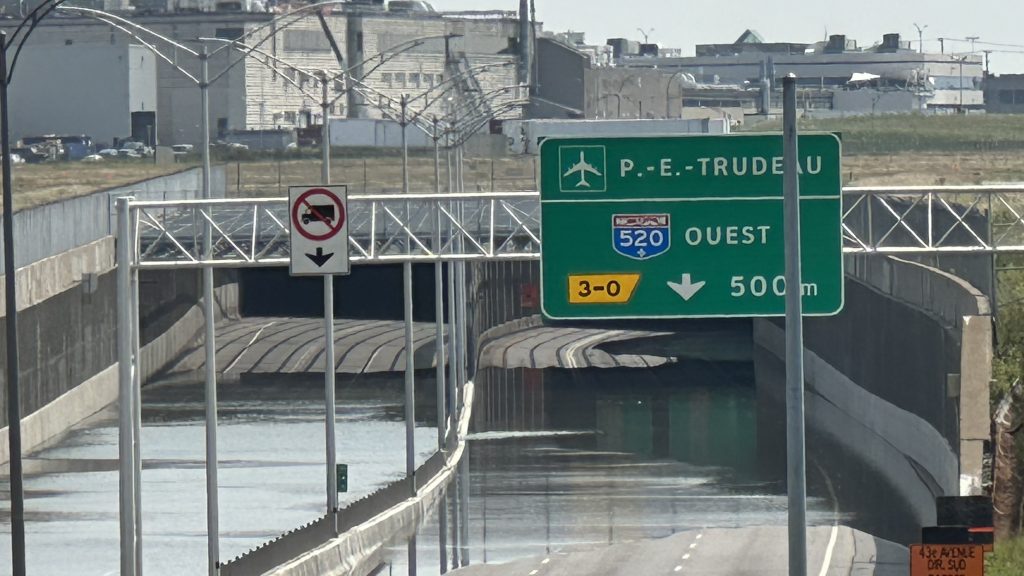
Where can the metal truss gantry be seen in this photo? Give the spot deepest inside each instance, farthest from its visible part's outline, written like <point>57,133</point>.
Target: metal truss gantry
<point>394,228</point>
<point>383,229</point>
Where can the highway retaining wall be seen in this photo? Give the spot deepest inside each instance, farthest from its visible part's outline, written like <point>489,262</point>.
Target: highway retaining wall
<point>67,309</point>
<point>899,382</point>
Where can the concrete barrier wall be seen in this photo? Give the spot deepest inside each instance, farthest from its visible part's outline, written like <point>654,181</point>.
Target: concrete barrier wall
<point>51,229</point>
<point>67,308</point>
<point>899,379</point>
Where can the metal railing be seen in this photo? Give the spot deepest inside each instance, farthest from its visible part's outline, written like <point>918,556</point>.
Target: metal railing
<point>390,228</point>
<point>383,228</point>
<point>934,219</point>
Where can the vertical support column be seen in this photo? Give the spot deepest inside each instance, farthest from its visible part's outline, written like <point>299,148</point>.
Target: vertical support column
<point>464,506</point>
<point>439,345</point>
<point>210,344</point>
<point>125,339</point>
<point>410,343</point>
<point>795,442</point>
<point>439,352</point>
<point>136,396</point>
<point>330,421</point>
<point>11,307</point>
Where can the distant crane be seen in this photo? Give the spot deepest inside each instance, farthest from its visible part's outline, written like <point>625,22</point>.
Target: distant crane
<point>646,33</point>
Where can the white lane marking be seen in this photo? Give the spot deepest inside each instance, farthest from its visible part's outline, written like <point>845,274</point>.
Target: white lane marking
<point>677,569</point>
<point>835,523</point>
<point>692,546</point>
<point>532,572</point>
<point>247,346</point>
<point>545,561</point>
<point>570,353</point>
<point>699,536</point>
<point>686,556</point>
<point>828,551</point>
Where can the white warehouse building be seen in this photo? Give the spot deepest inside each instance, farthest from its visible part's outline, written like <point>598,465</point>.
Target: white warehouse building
<point>252,96</point>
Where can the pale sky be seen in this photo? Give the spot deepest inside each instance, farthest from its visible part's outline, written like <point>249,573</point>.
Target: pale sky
<point>682,24</point>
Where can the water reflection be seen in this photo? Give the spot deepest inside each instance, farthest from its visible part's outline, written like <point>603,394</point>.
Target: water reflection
<point>563,460</point>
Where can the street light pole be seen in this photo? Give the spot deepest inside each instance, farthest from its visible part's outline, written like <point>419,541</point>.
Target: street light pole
<point>210,344</point>
<point>11,331</point>
<point>410,343</point>
<point>920,37</point>
<point>330,421</point>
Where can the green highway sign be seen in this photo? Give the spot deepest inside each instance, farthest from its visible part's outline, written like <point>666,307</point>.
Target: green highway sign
<point>685,226</point>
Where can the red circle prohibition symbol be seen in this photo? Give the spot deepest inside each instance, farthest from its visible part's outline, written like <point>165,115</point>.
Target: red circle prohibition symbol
<point>331,215</point>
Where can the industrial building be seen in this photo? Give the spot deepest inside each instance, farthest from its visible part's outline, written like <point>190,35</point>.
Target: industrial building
<point>106,90</point>
<point>279,87</point>
<point>1004,94</point>
<point>836,77</point>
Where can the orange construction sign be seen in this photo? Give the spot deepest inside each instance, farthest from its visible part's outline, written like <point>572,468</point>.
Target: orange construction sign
<point>947,560</point>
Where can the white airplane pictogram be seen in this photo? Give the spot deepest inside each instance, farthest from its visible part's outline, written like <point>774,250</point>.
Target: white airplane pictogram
<point>582,168</point>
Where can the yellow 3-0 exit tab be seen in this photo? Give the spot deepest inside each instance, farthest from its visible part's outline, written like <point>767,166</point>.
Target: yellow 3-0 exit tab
<point>602,288</point>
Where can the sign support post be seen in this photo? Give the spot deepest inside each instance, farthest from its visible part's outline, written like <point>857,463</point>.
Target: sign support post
<point>796,472</point>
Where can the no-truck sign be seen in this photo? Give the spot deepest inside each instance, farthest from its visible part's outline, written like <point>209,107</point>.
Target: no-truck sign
<point>318,221</point>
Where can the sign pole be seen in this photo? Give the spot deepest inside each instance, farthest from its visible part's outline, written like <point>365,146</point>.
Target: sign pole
<point>329,360</point>
<point>125,339</point>
<point>795,441</point>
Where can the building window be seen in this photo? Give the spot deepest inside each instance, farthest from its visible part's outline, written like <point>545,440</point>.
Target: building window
<point>229,33</point>
<point>305,41</point>
<point>289,118</point>
<point>414,79</point>
<point>387,79</point>
<point>339,85</point>
<point>440,79</point>
<point>429,78</point>
<point>1018,96</point>
<point>400,79</point>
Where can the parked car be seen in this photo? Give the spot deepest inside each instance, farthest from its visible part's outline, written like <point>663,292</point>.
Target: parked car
<point>138,148</point>
<point>17,159</point>
<point>112,152</point>
<point>93,158</point>
<point>181,149</point>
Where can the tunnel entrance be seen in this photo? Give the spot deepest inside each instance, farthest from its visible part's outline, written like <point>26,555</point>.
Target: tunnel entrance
<point>370,292</point>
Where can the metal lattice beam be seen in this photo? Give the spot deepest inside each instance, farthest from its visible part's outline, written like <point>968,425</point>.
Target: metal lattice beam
<point>391,228</point>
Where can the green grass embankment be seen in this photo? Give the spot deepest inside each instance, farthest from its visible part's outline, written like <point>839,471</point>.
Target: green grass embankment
<point>888,134</point>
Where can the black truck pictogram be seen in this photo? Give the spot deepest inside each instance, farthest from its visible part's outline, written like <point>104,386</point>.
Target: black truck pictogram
<point>321,212</point>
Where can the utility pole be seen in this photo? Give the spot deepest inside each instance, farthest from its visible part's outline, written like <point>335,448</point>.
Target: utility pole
<point>987,53</point>
<point>920,37</point>
<point>972,39</point>
<point>942,45</point>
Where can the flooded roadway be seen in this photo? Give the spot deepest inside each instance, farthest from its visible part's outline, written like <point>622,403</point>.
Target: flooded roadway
<point>272,473</point>
<point>563,460</point>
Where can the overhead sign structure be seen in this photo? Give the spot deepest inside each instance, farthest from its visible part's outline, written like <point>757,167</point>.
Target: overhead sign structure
<point>947,560</point>
<point>318,228</point>
<point>685,226</point>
